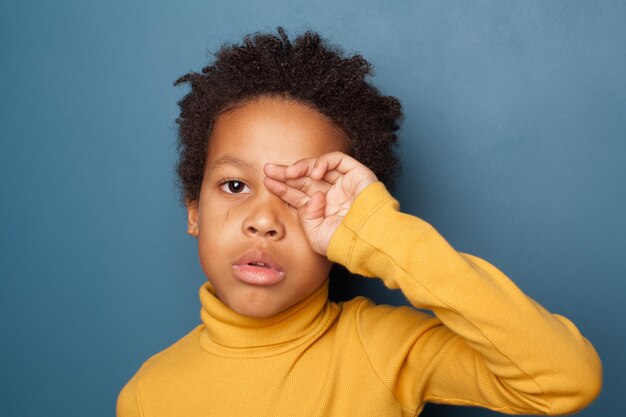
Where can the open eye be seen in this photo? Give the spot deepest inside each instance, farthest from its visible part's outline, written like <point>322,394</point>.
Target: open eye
<point>234,186</point>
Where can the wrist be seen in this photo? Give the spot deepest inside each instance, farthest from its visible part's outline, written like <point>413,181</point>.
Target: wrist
<point>373,197</point>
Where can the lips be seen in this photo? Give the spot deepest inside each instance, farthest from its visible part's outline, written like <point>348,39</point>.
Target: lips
<point>258,267</point>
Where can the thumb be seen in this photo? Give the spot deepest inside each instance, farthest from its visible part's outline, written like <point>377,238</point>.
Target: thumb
<point>314,223</point>
<point>314,208</point>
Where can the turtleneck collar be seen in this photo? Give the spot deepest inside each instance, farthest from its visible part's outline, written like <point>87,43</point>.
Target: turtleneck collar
<point>231,334</point>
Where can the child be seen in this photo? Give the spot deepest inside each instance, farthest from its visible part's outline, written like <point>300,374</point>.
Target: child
<point>285,154</point>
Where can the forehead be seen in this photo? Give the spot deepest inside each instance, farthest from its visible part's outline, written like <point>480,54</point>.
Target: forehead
<point>276,130</point>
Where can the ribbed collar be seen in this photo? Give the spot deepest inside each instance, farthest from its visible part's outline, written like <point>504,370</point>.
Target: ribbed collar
<point>231,334</point>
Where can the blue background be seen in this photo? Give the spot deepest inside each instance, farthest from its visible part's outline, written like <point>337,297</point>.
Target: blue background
<point>513,148</point>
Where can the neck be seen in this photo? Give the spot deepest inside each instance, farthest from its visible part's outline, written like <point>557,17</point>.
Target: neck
<point>230,333</point>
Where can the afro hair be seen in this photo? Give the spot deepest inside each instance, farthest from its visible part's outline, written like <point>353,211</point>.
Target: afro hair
<point>308,70</point>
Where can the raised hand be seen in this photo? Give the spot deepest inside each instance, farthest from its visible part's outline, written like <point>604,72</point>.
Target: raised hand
<point>321,189</point>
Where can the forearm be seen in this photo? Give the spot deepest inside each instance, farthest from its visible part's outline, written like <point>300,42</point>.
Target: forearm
<point>524,346</point>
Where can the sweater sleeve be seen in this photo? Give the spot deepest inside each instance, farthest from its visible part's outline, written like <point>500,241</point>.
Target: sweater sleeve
<point>489,345</point>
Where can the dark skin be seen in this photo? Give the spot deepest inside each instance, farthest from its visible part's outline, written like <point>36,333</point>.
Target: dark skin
<point>277,184</point>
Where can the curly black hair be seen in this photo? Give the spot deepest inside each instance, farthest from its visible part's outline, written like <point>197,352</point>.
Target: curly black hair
<point>310,71</point>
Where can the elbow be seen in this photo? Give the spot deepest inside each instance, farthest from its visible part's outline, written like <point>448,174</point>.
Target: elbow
<point>579,388</point>
<point>578,381</point>
<point>581,399</point>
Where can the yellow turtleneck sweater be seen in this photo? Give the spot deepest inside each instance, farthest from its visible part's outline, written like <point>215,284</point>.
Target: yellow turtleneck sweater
<point>489,344</point>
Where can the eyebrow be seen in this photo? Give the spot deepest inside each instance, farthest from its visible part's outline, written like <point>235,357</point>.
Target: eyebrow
<point>231,160</point>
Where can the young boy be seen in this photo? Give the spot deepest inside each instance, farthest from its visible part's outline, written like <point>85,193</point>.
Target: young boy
<point>284,153</point>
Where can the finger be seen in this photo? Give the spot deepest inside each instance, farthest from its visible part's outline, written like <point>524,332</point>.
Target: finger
<point>314,167</point>
<point>332,177</point>
<point>315,207</point>
<point>278,174</point>
<point>320,168</point>
<point>338,161</point>
<point>290,195</point>
<point>330,167</point>
<point>275,171</point>
<point>317,168</point>
<point>338,165</point>
<point>300,168</point>
<point>309,186</point>
<point>302,184</point>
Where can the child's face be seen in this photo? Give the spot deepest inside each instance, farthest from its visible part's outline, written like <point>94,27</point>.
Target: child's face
<point>251,245</point>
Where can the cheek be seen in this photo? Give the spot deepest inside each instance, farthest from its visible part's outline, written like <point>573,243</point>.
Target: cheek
<point>215,226</point>
<point>314,263</point>
<point>214,214</point>
<point>220,227</point>
<point>323,264</point>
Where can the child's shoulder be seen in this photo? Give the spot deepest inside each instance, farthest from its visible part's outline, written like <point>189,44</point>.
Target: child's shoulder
<point>374,318</point>
<point>155,374</point>
<point>386,333</point>
<point>168,360</point>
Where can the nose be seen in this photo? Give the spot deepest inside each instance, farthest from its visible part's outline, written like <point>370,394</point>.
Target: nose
<point>265,218</point>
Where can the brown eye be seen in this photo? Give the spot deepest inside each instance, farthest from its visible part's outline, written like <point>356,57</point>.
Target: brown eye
<point>234,186</point>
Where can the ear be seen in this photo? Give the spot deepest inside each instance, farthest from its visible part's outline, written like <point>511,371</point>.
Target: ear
<point>192,217</point>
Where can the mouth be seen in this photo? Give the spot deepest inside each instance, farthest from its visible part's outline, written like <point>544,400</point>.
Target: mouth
<point>257,267</point>
<point>259,264</point>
